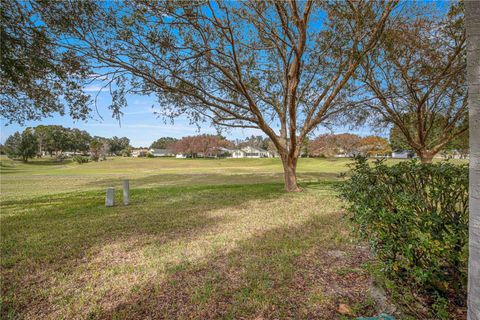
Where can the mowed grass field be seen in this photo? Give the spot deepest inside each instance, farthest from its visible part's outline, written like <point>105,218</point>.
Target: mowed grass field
<point>201,239</point>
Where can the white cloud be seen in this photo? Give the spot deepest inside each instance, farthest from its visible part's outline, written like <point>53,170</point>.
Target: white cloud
<point>148,110</point>
<point>98,76</point>
<point>94,88</point>
<point>101,124</point>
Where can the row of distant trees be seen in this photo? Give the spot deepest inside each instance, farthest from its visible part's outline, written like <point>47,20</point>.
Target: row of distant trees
<point>351,144</point>
<point>210,144</point>
<point>55,140</point>
<point>328,145</point>
<point>206,144</point>
<point>325,145</point>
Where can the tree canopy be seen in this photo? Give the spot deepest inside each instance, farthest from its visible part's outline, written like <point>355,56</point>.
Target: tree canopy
<point>37,77</point>
<point>282,67</point>
<point>416,79</point>
<point>22,145</point>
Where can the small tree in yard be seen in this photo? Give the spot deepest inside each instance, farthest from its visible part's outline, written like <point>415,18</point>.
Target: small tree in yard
<point>416,80</point>
<point>29,145</point>
<point>99,148</point>
<point>12,145</point>
<point>24,145</point>
<point>281,67</point>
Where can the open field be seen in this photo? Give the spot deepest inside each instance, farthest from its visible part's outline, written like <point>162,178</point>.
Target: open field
<point>201,239</point>
<point>41,177</point>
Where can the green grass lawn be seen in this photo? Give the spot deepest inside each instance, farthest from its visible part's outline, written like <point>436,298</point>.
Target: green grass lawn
<point>201,239</point>
<point>41,177</point>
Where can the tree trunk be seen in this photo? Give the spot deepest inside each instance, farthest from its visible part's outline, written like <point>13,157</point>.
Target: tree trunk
<point>290,173</point>
<point>472,22</point>
<point>426,156</point>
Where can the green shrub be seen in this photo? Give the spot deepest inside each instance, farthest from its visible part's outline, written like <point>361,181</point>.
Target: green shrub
<point>415,217</point>
<point>80,159</point>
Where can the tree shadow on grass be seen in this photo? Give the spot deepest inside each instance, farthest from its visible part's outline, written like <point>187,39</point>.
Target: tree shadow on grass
<point>301,272</point>
<point>57,232</point>
<point>13,167</point>
<point>9,167</point>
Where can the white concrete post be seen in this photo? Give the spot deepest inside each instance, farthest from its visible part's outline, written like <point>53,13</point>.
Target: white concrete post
<point>126,192</point>
<point>110,198</point>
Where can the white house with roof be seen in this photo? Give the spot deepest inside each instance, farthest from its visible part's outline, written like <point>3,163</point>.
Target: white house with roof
<point>251,152</point>
<point>403,154</point>
<point>161,153</point>
<point>246,152</point>
<point>139,152</point>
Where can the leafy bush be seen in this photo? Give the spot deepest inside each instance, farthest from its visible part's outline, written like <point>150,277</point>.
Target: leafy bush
<point>415,217</point>
<point>80,159</point>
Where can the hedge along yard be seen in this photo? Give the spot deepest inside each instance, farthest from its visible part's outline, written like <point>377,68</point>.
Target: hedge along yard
<point>200,239</point>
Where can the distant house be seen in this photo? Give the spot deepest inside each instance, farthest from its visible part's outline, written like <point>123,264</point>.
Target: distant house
<point>453,154</point>
<point>403,154</point>
<point>246,152</point>
<point>238,154</point>
<point>70,153</point>
<point>225,152</point>
<point>344,155</point>
<point>252,152</point>
<point>160,153</point>
<point>140,152</point>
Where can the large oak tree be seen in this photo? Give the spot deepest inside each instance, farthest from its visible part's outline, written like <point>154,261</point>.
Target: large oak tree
<point>284,67</point>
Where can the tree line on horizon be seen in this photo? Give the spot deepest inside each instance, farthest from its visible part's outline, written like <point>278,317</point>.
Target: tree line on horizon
<point>324,145</point>
<point>55,140</point>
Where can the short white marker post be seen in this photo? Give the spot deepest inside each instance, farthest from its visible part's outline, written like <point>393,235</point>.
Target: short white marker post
<point>126,192</point>
<point>110,198</point>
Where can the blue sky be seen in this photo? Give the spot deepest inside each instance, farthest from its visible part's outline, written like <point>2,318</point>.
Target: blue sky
<point>139,123</point>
